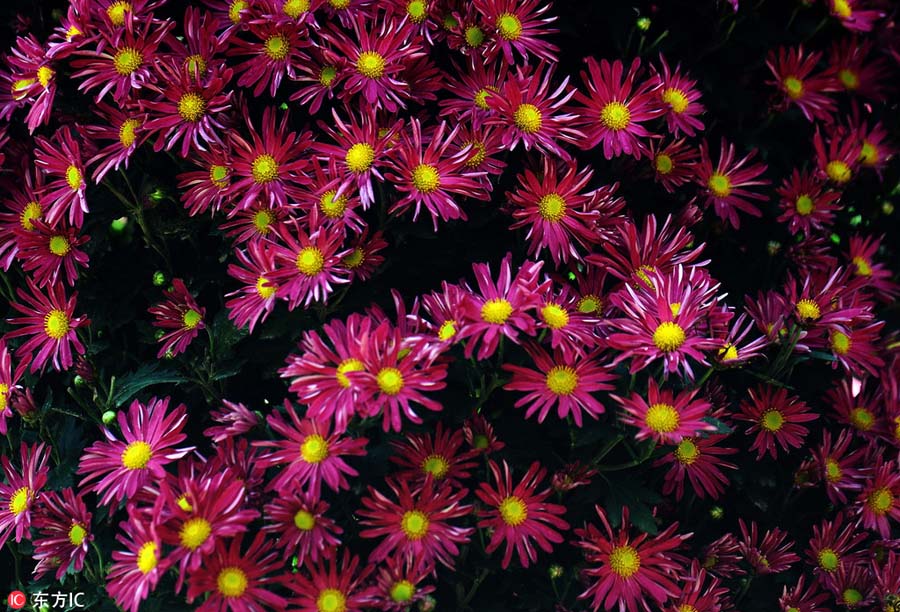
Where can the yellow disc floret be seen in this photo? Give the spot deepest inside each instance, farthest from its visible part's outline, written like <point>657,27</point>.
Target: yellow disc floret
<point>496,311</point>
<point>509,26</point>
<point>552,207</point>
<point>719,185</point>
<point>662,418</point>
<point>624,561</point>
<point>194,533</point>
<point>56,324</point>
<point>426,179</point>
<point>668,337</point>
<point>615,116</point>
<point>136,455</point>
<point>513,511</point>
<point>390,380</point>
<point>310,261</point>
<point>414,524</point>
<point>370,64</point>
<point>127,60</point>
<point>528,118</point>
<point>264,169</point>
<point>231,582</point>
<point>676,99</point>
<point>562,380</point>
<point>359,157</point>
<point>191,107</point>
<point>314,449</point>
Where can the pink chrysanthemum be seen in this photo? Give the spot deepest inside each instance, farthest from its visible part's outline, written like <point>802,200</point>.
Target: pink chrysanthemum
<point>841,469</point>
<point>52,253</point>
<point>234,420</point>
<point>21,490</point>
<point>416,526</point>
<point>118,468</point>
<point>565,379</point>
<point>518,515</point>
<point>300,526</point>
<point>181,314</point>
<point>673,163</point>
<point>664,416</point>
<point>808,206</point>
<point>123,128</point>
<point>727,182</point>
<point>274,49</point>
<point>517,26</point>
<point>209,187</point>
<point>399,585</point>
<point>679,96</point>
<point>772,554</point>
<point>65,533</point>
<point>60,159</point>
<point>137,570</point>
<point>8,380</point>
<point>876,276</point>
<point>878,504</point>
<point>308,264</point>
<point>700,461</point>
<point>570,329</point>
<point>791,70</point>
<point>776,419</point>
<point>331,584</point>
<point>853,16</point>
<point>838,160</point>
<point>832,546</point>
<point>255,300</point>
<point>421,456</point>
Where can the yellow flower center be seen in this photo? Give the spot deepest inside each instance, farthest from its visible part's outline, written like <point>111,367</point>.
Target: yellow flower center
<point>728,352</point>
<point>804,205</point>
<point>615,116</point>
<point>74,178</point>
<point>264,169</point>
<point>474,36</point>
<point>127,60</point>
<point>390,380</point>
<point>231,582</point>
<point>194,533</point>
<point>195,64</point>
<point>314,449</point>
<point>589,303</point>
<point>218,175</point>
<point>447,330</point>
<point>136,455</point>
<point>4,396</point>
<point>191,107</point>
<point>668,337</point>
<point>793,87</point>
<point>44,74</point>
<point>664,164</point>
<point>478,154</point>
<point>277,47</point>
<point>59,246</point>
<point>339,4</point>
<point>191,319</point>
<point>262,219</point>
<point>687,608</point>
<point>265,288</point>
<point>19,88</point>
<point>720,185</point>
<point>370,64</point>
<point>840,343</point>
<point>848,78</point>
<point>869,154</point>
<point>295,8</point>
<point>863,266</point>
<point>184,504</point>
<point>808,310</point>
<point>117,11</point>
<point>509,26</point>
<point>555,316</point>
<point>403,591</point>
<point>18,503</point>
<point>687,452</point>
<point>481,99</point>
<point>77,534</point>
<point>496,311</point>
<point>552,207</point>
<point>851,596</point>
<point>562,380</point>
<point>862,418</point>
<point>327,76</point>
<point>414,524</point>
<point>310,261</point>
<point>304,521</point>
<point>147,557</point>
<point>662,418</point>
<point>355,259</point>
<point>772,420</point>
<point>624,561</point>
<point>30,213</point>
<point>417,11</point>
<point>331,600</point>
<point>676,99</point>
<point>348,365</point>
<point>234,10</point>
<point>359,157</point>
<point>56,324</point>
<point>838,171</point>
<point>126,132</point>
<point>828,559</point>
<point>833,472</point>
<point>880,500</point>
<point>436,465</point>
<point>513,511</point>
<point>528,118</point>
<point>331,206</point>
<point>842,8</point>
<point>425,178</point>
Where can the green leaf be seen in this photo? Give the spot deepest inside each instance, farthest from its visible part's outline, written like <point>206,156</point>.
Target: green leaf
<point>145,376</point>
<point>721,428</point>
<point>823,356</point>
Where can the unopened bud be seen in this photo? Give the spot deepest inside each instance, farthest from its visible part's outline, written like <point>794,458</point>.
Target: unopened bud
<point>108,417</point>
<point>643,24</point>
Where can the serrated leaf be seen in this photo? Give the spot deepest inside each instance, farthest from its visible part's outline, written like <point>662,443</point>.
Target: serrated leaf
<point>145,376</point>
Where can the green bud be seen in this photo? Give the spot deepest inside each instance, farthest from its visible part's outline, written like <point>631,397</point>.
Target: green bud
<point>773,247</point>
<point>887,207</point>
<point>158,334</point>
<point>555,571</point>
<point>78,380</point>
<point>717,512</point>
<point>643,24</point>
<point>108,417</point>
<point>159,278</point>
<point>169,355</point>
<point>117,226</point>
<point>157,195</point>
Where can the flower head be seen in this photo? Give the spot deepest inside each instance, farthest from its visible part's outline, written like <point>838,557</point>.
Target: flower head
<point>21,490</point>
<point>727,182</point>
<point>665,416</point>
<point>181,314</point>
<point>776,418</point>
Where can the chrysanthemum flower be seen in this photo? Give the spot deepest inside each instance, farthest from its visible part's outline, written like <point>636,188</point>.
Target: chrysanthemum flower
<point>615,108</point>
<point>234,419</point>
<point>875,275</point>
<point>853,16</point>
<point>35,82</point>
<point>64,526</point>
<point>8,380</point>
<point>136,571</point>
<point>556,210</point>
<point>664,321</point>
<point>312,454</point>
<point>364,258</point>
<point>271,166</point>
<point>878,504</point>
<point>254,301</point>
<point>842,470</point>
<point>51,253</point>
<point>565,380</point>
<point>501,308</point>
<point>51,322</point>
<point>700,590</point>
<point>236,580</point>
<point>854,347</point>
<point>260,220</point>
<point>823,300</point>
<point>838,162</point>
<point>727,182</point>
<point>570,330</point>
<point>776,419</point>
<point>417,525</point>
<point>518,515</point>
<point>734,351</point>
<point>319,77</point>
<point>770,555</point>
<point>832,546</point>
<point>149,435</point>
<point>389,383</point>
<point>323,207</point>
<point>123,128</point>
<point>300,526</point>
<point>274,49</point>
<point>331,585</point>
<point>21,208</point>
<point>529,112</point>
<point>398,584</point>
<point>421,456</point>
<point>673,163</point>
<point>628,571</point>
<point>209,187</point>
<point>427,175</point>
<point>517,26</point>
<point>470,89</point>
<point>201,48</point>
<point>877,149</point>
<point>378,59</point>
<point>181,314</point>
<point>308,265</point>
<point>858,72</point>
<point>811,255</point>
<point>791,69</point>
<point>808,206</point>
<point>700,460</point>
<point>60,159</point>
<point>722,557</point>
<point>665,416</point>
<point>480,435</point>
<point>851,586</point>
<point>188,110</point>
<point>122,60</point>
<point>679,96</point>
<point>21,490</point>
<point>804,598</point>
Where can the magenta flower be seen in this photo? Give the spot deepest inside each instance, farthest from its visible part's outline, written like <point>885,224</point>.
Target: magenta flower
<point>300,527</point>
<point>274,50</point>
<point>876,276</point>
<point>207,188</point>
<point>21,490</point>
<point>331,583</point>
<point>123,128</point>
<point>838,160</point>
<point>700,461</point>
<point>518,26</point>
<point>421,456</point>
<point>772,554</point>
<point>842,470</point>
<point>399,584</point>
<point>471,89</point>
<point>255,300</point>
<point>792,77</point>
<point>727,183</point>
<point>51,254</point>
<point>806,204</point>
<point>60,159</point>
<point>51,322</point>
<point>664,416</point>
<point>234,420</point>
<point>181,314</point>
<point>679,95</point>
<point>136,571</point>
<point>776,418</point>
<point>308,266</point>
<point>565,380</point>
<point>673,163</point>
<point>117,468</point>
<point>8,380</point>
<point>64,526</point>
<point>832,546</point>
<point>518,515</point>
<point>878,504</point>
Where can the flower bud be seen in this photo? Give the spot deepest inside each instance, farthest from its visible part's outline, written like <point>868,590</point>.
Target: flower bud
<point>643,24</point>
<point>108,417</point>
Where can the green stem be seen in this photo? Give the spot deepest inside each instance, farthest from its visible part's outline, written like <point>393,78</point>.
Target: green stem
<point>705,377</point>
<point>484,574</point>
<point>629,464</point>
